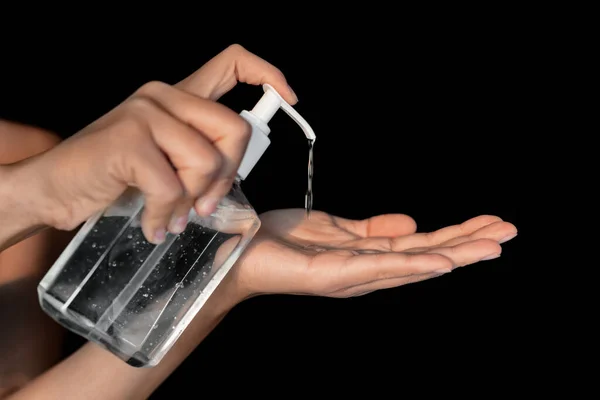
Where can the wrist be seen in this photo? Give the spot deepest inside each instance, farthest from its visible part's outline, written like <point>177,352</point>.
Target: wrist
<point>40,190</point>
<point>225,297</point>
<point>34,192</point>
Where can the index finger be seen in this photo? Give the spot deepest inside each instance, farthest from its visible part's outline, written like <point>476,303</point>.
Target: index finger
<point>235,64</point>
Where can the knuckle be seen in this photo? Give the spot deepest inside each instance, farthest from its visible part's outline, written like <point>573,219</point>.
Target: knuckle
<point>440,260</point>
<point>197,184</point>
<point>277,74</point>
<point>137,115</point>
<point>241,129</point>
<point>490,245</point>
<point>205,169</point>
<point>130,129</point>
<point>140,105</point>
<point>235,49</point>
<point>223,186</point>
<point>152,88</point>
<point>245,130</point>
<point>211,163</point>
<point>172,193</point>
<point>488,219</point>
<point>227,182</point>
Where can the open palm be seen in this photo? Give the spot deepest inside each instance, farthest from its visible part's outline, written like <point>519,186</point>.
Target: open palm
<point>331,256</point>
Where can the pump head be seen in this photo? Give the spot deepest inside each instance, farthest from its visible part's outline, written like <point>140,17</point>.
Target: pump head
<point>259,119</point>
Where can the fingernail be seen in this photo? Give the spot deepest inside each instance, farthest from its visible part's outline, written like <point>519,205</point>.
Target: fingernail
<point>178,225</point>
<point>159,236</point>
<point>490,257</point>
<point>208,206</point>
<point>293,93</point>
<point>442,271</point>
<point>507,238</point>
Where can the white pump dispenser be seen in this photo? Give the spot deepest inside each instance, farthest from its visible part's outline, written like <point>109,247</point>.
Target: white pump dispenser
<point>259,119</point>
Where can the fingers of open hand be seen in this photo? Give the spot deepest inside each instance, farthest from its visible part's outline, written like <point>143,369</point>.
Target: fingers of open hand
<point>461,251</point>
<point>364,274</point>
<point>469,252</point>
<point>355,270</point>
<point>483,227</point>
<point>369,287</point>
<point>479,245</point>
<point>443,235</point>
<point>476,240</point>
<point>498,231</point>
<point>232,65</point>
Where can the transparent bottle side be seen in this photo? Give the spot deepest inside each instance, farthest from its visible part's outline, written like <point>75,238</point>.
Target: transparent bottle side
<point>135,298</point>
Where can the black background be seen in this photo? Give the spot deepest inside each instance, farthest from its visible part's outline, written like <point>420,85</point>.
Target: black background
<point>427,124</point>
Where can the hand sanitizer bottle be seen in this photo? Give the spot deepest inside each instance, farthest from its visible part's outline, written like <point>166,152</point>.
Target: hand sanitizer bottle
<point>135,298</point>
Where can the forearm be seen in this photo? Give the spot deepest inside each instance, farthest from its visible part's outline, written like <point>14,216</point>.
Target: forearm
<point>18,208</point>
<point>93,373</point>
<point>19,142</point>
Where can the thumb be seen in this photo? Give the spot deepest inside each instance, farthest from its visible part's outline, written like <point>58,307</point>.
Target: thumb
<point>236,64</point>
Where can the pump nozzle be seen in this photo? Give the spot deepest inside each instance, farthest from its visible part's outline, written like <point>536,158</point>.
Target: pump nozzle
<point>259,119</point>
<point>271,102</point>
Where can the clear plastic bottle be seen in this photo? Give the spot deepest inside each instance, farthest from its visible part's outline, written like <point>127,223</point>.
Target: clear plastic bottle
<point>113,287</point>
